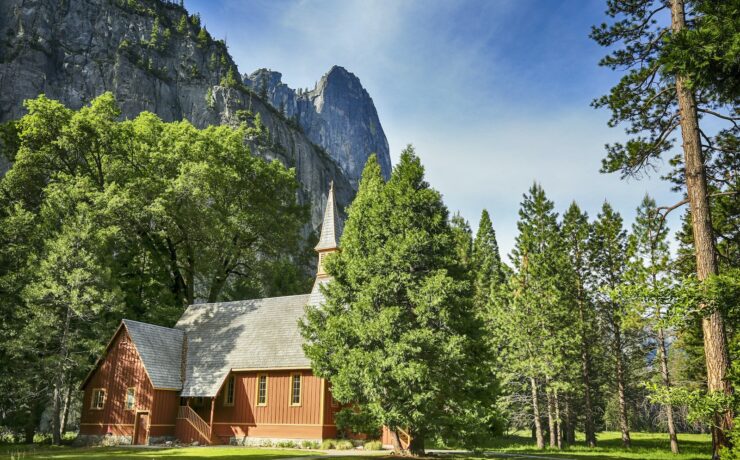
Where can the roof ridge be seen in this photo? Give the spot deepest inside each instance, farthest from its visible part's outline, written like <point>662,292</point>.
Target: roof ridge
<point>126,320</point>
<point>247,300</point>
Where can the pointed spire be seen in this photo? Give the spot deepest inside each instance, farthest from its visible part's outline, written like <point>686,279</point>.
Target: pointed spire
<point>328,238</point>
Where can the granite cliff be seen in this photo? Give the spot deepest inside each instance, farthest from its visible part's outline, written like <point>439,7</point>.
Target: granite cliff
<point>153,55</point>
<point>338,114</point>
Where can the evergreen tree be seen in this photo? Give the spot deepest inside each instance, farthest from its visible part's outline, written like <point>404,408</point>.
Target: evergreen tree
<point>576,230</point>
<point>486,261</point>
<point>648,284</point>
<point>681,61</point>
<point>463,241</point>
<point>608,254</point>
<point>397,334</point>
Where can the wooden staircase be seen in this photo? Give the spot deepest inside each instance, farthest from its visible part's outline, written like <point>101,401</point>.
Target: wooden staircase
<point>190,427</point>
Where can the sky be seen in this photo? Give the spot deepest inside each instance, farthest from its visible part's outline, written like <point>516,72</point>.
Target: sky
<point>493,94</point>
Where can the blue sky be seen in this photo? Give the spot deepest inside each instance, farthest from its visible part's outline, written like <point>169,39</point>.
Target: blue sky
<point>493,94</point>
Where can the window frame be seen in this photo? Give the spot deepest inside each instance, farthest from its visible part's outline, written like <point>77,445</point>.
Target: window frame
<point>230,391</point>
<point>133,399</point>
<point>291,400</point>
<point>257,398</point>
<point>93,400</point>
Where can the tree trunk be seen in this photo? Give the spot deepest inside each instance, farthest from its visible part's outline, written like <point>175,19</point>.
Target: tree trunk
<point>623,421</point>
<point>417,444</point>
<point>551,419</point>
<point>59,382</point>
<point>536,413</point>
<point>570,425</point>
<point>558,421</point>
<point>397,447</point>
<point>588,415</point>
<point>667,382</point>
<point>65,412</point>
<point>715,339</point>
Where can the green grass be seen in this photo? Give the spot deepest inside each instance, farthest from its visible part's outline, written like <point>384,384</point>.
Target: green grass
<point>609,447</point>
<point>129,453</point>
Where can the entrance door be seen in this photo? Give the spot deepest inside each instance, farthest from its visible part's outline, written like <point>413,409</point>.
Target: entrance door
<point>141,430</point>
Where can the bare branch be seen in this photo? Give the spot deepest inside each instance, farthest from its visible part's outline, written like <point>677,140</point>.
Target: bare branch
<point>734,120</point>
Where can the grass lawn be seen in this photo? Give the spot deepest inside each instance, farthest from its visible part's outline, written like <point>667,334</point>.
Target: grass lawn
<point>126,453</point>
<point>609,447</point>
<point>518,446</point>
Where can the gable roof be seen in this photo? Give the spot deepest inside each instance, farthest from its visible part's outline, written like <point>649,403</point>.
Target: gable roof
<point>160,349</point>
<point>248,334</point>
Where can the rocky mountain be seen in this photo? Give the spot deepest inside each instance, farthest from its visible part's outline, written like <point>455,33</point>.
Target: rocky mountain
<point>153,55</point>
<point>338,114</point>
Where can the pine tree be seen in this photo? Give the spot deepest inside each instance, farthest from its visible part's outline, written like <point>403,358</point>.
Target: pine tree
<point>530,315</point>
<point>463,241</point>
<point>397,334</point>
<point>576,230</point>
<point>486,261</point>
<point>681,62</point>
<point>608,254</point>
<point>648,285</point>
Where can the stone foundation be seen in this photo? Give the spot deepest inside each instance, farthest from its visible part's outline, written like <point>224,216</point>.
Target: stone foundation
<point>101,440</point>
<point>268,442</point>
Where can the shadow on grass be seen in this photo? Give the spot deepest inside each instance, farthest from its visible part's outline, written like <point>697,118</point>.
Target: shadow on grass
<point>609,447</point>
<point>133,453</point>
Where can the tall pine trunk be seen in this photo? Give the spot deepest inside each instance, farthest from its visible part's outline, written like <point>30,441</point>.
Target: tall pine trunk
<point>715,339</point>
<point>621,385</point>
<point>65,412</point>
<point>60,381</point>
<point>536,414</point>
<point>558,422</point>
<point>551,418</point>
<point>589,428</point>
<point>667,383</point>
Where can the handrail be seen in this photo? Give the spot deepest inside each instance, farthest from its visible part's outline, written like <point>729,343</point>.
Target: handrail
<point>200,425</point>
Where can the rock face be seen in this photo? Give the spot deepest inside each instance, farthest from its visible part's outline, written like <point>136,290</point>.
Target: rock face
<point>338,114</point>
<point>154,56</point>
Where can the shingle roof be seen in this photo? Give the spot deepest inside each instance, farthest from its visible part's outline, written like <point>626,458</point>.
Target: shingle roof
<point>330,230</point>
<point>160,349</point>
<point>248,334</point>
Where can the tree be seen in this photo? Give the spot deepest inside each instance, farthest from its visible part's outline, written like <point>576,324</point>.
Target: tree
<point>648,284</point>
<point>158,215</point>
<point>608,252</point>
<point>576,230</point>
<point>486,261</point>
<point>664,91</point>
<point>529,315</point>
<point>463,241</point>
<point>397,334</point>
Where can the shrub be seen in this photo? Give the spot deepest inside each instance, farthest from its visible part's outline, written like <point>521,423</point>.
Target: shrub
<point>373,445</point>
<point>329,444</point>
<point>345,444</point>
<point>266,443</point>
<point>310,445</point>
<point>286,444</point>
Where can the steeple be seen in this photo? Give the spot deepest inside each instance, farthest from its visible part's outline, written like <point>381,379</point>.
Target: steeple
<point>328,239</point>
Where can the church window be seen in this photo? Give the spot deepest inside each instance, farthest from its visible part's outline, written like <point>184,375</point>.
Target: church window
<point>295,389</point>
<point>130,398</point>
<point>229,393</point>
<point>98,399</point>
<point>262,390</point>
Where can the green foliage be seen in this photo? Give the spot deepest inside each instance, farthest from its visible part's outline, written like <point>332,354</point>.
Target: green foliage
<point>182,24</point>
<point>101,219</point>
<point>373,445</point>
<point>486,261</point>
<point>203,38</point>
<point>396,334</point>
<point>154,36</point>
<point>327,444</point>
<point>310,445</point>
<point>344,444</point>
<point>229,80</point>
<point>210,101</point>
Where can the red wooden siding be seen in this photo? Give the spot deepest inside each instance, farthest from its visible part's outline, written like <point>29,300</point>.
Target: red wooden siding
<point>120,369</point>
<point>278,418</point>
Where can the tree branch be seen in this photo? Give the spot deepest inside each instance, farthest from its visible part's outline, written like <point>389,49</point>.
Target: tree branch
<point>734,120</point>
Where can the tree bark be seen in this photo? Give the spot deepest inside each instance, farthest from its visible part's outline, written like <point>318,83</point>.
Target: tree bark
<point>570,429</point>
<point>589,429</point>
<point>65,412</point>
<point>59,381</point>
<point>667,383</point>
<point>623,421</point>
<point>558,421</point>
<point>536,413</point>
<point>417,444</point>
<point>397,447</point>
<point>551,419</point>
<point>715,339</point>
